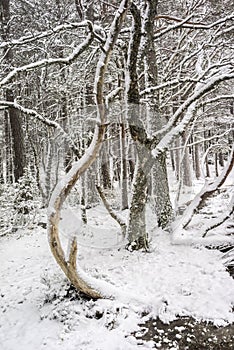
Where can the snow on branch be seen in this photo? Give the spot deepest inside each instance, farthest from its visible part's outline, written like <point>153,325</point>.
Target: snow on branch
<point>166,84</point>
<point>49,61</point>
<point>217,98</point>
<point>193,25</point>
<point>171,130</point>
<point>44,120</point>
<point>110,97</point>
<point>202,140</point>
<point>219,221</point>
<point>36,36</point>
<point>169,28</point>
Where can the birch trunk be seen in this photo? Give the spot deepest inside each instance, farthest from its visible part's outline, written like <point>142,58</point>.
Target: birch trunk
<point>62,190</point>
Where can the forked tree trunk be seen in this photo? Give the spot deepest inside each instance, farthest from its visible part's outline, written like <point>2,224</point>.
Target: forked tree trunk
<point>62,190</point>
<point>137,235</point>
<point>160,188</point>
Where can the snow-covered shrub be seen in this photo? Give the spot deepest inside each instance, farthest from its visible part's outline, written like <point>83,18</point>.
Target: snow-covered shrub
<point>19,204</point>
<point>7,195</point>
<point>62,302</point>
<point>26,201</point>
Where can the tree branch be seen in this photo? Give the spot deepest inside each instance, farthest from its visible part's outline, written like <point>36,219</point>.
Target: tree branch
<point>49,61</point>
<point>112,213</point>
<point>44,120</point>
<point>206,192</point>
<point>193,25</point>
<point>221,219</point>
<point>171,129</point>
<point>36,36</point>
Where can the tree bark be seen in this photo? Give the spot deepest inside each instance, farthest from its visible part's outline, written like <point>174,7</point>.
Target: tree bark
<point>160,188</point>
<point>137,235</point>
<point>19,159</point>
<point>64,187</point>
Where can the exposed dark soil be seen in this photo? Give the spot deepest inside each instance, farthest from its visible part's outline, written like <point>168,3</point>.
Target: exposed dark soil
<point>186,334</point>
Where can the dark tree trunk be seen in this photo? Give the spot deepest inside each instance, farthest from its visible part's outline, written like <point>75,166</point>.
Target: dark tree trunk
<point>105,167</point>
<point>124,172</point>
<point>8,150</point>
<point>197,166</point>
<point>19,159</point>
<point>17,139</point>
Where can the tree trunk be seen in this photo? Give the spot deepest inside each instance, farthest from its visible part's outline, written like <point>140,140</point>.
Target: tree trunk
<point>186,168</point>
<point>8,150</point>
<point>105,167</point>
<point>19,159</point>
<point>197,165</point>
<point>161,196</point>
<point>62,190</point>
<point>124,172</point>
<point>1,167</point>
<point>137,235</point>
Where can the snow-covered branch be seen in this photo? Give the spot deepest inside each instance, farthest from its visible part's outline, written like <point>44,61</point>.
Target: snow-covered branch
<point>48,122</point>
<point>219,221</point>
<point>120,220</point>
<point>215,137</point>
<point>49,61</point>
<point>172,27</point>
<point>205,193</point>
<point>215,99</point>
<point>36,36</point>
<point>172,128</point>
<point>168,84</point>
<point>110,97</point>
<point>193,25</point>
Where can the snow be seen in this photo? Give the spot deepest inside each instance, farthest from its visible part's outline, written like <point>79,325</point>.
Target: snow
<point>170,281</point>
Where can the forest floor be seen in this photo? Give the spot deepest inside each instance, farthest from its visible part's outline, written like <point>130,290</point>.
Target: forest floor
<point>173,297</point>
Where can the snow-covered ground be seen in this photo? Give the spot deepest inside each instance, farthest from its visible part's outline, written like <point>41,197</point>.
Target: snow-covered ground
<point>39,311</point>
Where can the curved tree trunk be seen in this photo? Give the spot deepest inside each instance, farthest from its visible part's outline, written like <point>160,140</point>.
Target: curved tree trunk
<point>64,187</point>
